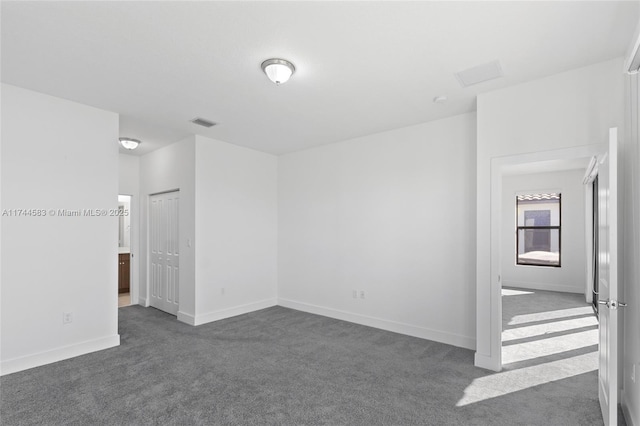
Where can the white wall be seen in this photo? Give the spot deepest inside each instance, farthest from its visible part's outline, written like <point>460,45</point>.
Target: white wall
<point>57,154</point>
<point>570,109</point>
<point>571,276</point>
<point>391,214</point>
<point>167,169</point>
<point>129,184</point>
<point>128,174</point>
<point>630,196</point>
<point>228,225</point>
<point>236,225</point>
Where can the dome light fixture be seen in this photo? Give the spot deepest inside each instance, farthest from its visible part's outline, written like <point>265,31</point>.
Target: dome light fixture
<point>129,143</point>
<point>278,70</point>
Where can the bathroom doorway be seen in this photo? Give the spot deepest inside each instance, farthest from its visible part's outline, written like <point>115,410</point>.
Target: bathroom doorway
<point>124,250</point>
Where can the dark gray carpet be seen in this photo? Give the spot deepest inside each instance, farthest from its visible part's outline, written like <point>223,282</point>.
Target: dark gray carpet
<point>280,367</point>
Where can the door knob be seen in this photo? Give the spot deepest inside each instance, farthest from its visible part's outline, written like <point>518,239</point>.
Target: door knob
<point>612,304</point>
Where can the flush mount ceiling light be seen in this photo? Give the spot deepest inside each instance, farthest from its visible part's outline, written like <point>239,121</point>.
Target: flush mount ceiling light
<point>129,143</point>
<point>278,70</point>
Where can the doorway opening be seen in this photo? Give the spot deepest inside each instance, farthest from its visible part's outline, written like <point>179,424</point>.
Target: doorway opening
<point>489,312</point>
<point>604,164</point>
<point>548,327</point>
<point>124,250</point>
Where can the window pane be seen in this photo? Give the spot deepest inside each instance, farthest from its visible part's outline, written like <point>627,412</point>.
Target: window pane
<point>539,247</point>
<point>537,217</point>
<point>538,210</point>
<point>539,213</point>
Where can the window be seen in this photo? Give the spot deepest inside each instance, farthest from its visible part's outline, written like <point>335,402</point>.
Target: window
<point>538,229</point>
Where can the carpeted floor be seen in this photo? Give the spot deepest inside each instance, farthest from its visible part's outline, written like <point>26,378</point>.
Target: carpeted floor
<point>547,326</point>
<point>283,367</point>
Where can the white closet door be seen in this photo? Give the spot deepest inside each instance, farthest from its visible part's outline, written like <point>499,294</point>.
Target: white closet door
<point>164,260</point>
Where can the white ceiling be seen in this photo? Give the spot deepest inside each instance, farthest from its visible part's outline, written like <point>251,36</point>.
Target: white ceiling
<point>362,67</point>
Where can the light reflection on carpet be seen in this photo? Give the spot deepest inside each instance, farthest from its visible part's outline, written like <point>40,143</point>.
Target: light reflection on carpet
<point>507,382</point>
<point>541,343</point>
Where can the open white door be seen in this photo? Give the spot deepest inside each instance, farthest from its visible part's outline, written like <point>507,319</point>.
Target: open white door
<point>608,280</point>
<point>164,258</point>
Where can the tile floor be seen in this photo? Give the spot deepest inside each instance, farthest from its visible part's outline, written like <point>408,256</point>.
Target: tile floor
<point>124,299</point>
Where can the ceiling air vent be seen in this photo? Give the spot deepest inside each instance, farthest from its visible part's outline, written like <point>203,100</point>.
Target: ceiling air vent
<point>479,74</point>
<point>203,122</point>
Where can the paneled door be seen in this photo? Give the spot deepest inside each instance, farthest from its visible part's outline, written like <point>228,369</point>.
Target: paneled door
<point>164,267</point>
<point>608,281</point>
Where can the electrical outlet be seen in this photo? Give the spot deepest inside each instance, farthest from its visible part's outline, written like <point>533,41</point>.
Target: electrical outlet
<point>355,294</point>
<point>361,294</point>
<point>633,373</point>
<point>67,317</point>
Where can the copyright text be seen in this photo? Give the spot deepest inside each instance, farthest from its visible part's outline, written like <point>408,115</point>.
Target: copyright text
<point>64,212</point>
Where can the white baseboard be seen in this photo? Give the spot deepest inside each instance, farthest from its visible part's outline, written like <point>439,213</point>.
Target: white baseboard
<point>487,362</point>
<point>383,324</point>
<point>30,361</point>
<point>200,319</point>
<point>186,318</point>
<point>543,286</point>
<point>628,415</point>
<point>143,302</point>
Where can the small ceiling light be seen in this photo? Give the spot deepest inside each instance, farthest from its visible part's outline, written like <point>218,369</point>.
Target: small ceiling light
<point>129,143</point>
<point>278,70</point>
<point>440,99</point>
